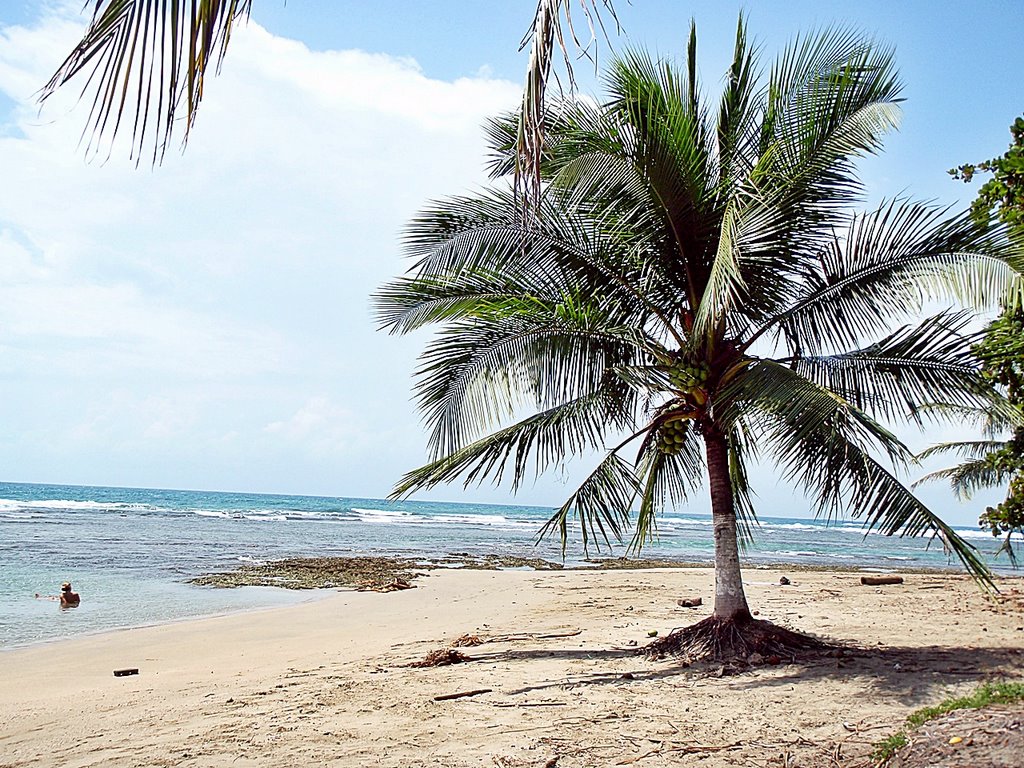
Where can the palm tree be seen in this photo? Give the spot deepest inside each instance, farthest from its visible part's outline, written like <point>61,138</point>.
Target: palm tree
<point>148,60</point>
<point>693,293</point>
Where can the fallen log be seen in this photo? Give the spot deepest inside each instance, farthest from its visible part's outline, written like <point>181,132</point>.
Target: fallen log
<point>872,581</point>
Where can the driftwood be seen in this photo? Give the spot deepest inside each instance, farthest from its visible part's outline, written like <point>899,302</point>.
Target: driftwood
<point>462,694</point>
<point>872,581</point>
<point>689,602</point>
<point>126,672</point>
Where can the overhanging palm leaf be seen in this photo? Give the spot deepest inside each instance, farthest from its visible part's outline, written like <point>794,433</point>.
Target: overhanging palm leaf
<point>544,37</point>
<point>150,57</point>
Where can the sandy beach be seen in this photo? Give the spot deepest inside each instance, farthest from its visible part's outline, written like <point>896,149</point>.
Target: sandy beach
<point>328,682</point>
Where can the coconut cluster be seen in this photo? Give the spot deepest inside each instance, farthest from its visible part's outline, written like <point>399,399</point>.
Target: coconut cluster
<point>687,376</point>
<point>671,437</point>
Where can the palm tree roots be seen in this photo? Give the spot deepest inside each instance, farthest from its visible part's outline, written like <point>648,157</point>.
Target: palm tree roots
<point>717,639</point>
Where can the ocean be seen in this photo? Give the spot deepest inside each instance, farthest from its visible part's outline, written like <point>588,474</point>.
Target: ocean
<point>130,551</point>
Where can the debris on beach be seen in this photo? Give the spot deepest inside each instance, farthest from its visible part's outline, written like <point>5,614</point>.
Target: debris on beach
<point>467,641</point>
<point>462,694</point>
<point>640,563</point>
<point>442,657</point>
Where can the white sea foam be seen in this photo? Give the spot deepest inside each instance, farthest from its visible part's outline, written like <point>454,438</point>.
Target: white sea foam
<point>14,504</point>
<point>221,513</point>
<point>20,514</point>
<point>700,521</point>
<point>383,515</point>
<point>499,521</point>
<point>265,517</point>
<point>977,533</point>
<point>796,553</point>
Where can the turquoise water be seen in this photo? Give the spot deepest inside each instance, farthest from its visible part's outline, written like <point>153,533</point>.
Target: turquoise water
<point>129,551</point>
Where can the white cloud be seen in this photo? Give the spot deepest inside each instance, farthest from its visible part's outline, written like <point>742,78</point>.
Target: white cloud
<point>320,425</point>
<point>155,325</point>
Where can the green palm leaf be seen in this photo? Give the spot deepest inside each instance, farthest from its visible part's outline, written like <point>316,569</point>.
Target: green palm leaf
<point>915,365</point>
<point>825,445</point>
<point>600,504</point>
<point>885,267</point>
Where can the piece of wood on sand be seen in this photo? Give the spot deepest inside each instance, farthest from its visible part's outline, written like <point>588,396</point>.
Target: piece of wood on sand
<point>872,581</point>
<point>126,672</point>
<point>462,694</point>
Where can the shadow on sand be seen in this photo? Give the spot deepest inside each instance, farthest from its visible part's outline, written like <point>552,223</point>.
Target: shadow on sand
<point>907,674</point>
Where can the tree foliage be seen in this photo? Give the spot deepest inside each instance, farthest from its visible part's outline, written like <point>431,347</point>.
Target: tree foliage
<point>1003,194</point>
<point>1002,349</point>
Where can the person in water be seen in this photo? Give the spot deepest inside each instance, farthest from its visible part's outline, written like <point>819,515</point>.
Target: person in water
<point>68,597</point>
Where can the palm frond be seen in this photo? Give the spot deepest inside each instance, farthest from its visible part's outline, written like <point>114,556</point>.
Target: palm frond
<point>965,449</point>
<point>601,504</point>
<point>825,446</point>
<point>968,477</point>
<point>668,479</point>
<point>899,376</point>
<point>885,266</point>
<point>816,86</point>
<point>741,449</point>
<point>737,116</point>
<point>544,38</point>
<point>150,58</point>
<point>549,438</point>
<point>476,374</point>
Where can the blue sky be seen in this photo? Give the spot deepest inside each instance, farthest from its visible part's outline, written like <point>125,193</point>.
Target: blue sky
<point>206,324</point>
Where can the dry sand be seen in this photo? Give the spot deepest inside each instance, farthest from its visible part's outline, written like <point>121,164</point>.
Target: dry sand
<point>325,683</point>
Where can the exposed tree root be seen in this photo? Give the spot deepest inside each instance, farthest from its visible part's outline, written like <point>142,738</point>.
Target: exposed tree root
<point>716,639</point>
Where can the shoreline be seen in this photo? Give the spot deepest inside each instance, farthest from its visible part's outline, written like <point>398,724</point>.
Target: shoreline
<point>306,597</point>
<point>320,576</point>
<point>328,681</point>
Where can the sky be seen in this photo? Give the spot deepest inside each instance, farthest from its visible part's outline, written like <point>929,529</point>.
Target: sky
<point>206,324</point>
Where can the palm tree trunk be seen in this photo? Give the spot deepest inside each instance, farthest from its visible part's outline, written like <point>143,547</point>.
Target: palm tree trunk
<point>730,602</point>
